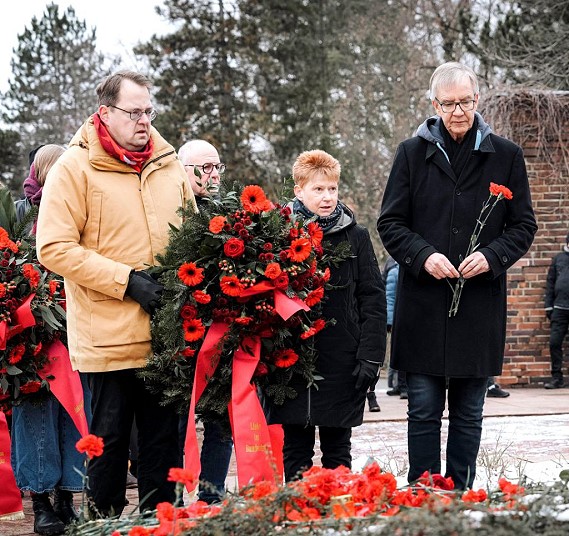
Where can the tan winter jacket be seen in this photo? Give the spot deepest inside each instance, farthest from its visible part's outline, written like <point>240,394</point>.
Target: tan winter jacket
<point>98,220</point>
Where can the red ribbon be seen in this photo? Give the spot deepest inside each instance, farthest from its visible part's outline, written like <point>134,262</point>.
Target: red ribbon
<point>258,449</point>
<point>284,305</point>
<point>10,498</point>
<point>22,318</point>
<point>66,384</point>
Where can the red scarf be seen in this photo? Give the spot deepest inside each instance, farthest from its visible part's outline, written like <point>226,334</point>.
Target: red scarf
<point>132,158</point>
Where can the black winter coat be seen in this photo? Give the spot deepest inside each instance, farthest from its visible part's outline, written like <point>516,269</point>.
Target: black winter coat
<point>557,287</point>
<point>427,209</point>
<point>358,307</point>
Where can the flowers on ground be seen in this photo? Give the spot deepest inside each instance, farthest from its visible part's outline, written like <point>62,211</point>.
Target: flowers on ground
<point>254,268</point>
<point>497,193</point>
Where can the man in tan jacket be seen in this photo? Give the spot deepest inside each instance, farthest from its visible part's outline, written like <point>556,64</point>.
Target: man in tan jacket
<point>105,214</point>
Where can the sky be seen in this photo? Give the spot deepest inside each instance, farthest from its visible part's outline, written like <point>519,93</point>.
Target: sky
<point>119,23</point>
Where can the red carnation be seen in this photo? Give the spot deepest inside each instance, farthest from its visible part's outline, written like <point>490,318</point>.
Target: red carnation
<point>217,224</point>
<point>234,248</point>
<point>201,297</point>
<point>91,445</point>
<point>184,476</point>
<point>497,189</point>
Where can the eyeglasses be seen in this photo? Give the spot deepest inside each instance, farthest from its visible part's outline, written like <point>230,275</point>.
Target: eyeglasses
<point>208,168</point>
<point>450,107</point>
<point>135,115</point>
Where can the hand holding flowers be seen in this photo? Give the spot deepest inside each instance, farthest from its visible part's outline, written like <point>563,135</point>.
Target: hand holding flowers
<point>475,263</point>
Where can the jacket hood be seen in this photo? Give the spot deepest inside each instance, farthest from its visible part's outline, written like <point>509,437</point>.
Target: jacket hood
<point>87,138</point>
<point>430,130</point>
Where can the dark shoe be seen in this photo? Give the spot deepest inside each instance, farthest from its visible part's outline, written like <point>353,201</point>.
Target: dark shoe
<point>495,391</point>
<point>393,392</point>
<point>131,481</point>
<point>63,506</point>
<point>45,520</point>
<point>403,395</point>
<point>372,402</point>
<point>555,383</point>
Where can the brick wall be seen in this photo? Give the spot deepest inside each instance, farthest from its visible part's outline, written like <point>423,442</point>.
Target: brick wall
<point>526,360</point>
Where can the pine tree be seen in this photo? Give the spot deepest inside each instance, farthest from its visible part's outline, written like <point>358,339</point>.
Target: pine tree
<point>10,162</point>
<point>203,86</point>
<point>55,70</point>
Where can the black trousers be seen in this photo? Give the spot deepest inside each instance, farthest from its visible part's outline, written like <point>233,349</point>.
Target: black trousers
<point>299,442</point>
<point>559,328</point>
<point>117,398</point>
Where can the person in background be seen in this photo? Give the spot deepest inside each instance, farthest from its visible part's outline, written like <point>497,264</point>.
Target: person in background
<point>202,157</point>
<point>391,275</point>
<point>350,353</point>
<point>106,212</point>
<point>438,183</point>
<point>493,389</point>
<point>44,457</point>
<point>557,312</point>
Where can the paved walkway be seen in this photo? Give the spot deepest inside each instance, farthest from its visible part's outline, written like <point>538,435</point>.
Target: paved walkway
<point>527,433</point>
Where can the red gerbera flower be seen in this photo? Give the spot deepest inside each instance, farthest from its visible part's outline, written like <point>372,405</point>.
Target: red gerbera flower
<point>91,445</point>
<point>300,249</point>
<point>315,232</point>
<point>16,354</point>
<point>190,274</point>
<point>254,200</point>
<point>188,352</point>
<point>314,296</point>
<point>217,224</point>
<point>194,330</point>
<point>285,357</point>
<point>231,285</point>
<point>201,297</point>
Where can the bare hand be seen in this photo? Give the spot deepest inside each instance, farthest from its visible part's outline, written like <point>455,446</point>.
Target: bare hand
<point>474,265</point>
<point>440,267</point>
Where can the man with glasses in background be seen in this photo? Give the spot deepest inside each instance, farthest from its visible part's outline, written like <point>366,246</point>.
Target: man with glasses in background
<point>105,214</point>
<point>204,170</point>
<point>438,183</point>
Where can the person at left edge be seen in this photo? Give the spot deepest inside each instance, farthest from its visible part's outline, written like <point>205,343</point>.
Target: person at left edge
<point>105,214</point>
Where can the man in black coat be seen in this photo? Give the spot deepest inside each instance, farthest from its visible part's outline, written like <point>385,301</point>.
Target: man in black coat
<point>557,310</point>
<point>438,184</point>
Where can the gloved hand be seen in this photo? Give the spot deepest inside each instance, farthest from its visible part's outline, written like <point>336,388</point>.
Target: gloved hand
<point>548,313</point>
<point>366,374</point>
<point>143,289</point>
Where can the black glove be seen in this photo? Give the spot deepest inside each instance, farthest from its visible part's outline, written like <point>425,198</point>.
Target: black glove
<point>366,374</point>
<point>548,313</point>
<point>143,289</point>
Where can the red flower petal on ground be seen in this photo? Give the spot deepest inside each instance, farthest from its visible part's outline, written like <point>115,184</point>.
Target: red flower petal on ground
<point>185,476</point>
<point>300,249</point>
<point>231,285</point>
<point>216,224</point>
<point>254,200</point>
<point>234,248</point>
<point>285,357</point>
<point>91,445</point>
<point>475,496</point>
<point>201,297</point>
<point>314,296</point>
<point>194,330</point>
<point>190,274</point>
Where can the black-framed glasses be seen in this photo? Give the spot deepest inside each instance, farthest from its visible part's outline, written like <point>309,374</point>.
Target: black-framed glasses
<point>135,115</point>
<point>208,168</point>
<point>450,107</point>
